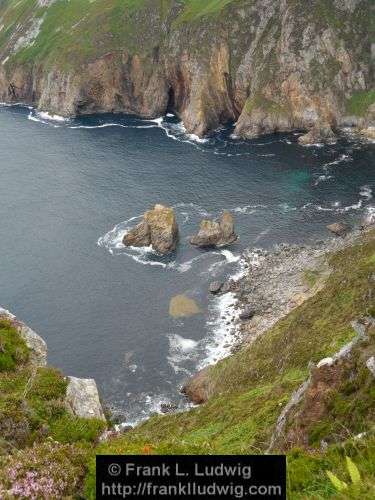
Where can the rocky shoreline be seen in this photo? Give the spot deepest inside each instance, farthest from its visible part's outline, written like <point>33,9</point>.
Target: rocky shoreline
<point>272,284</point>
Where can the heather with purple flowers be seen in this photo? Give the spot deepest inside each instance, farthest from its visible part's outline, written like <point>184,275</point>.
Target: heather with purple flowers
<point>46,471</point>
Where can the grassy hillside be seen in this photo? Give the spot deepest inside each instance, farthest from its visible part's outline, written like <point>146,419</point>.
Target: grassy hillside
<point>69,31</point>
<point>37,434</point>
<point>43,448</point>
<point>251,388</point>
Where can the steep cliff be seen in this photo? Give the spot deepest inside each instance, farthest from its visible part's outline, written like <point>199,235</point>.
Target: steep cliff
<point>268,65</point>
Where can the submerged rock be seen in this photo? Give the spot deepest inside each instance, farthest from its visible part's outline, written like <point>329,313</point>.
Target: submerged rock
<point>215,234</point>
<point>339,228</point>
<point>158,229</point>
<point>82,398</point>
<point>182,306</point>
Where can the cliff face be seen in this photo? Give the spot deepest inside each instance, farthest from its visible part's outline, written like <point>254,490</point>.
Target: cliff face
<point>268,65</point>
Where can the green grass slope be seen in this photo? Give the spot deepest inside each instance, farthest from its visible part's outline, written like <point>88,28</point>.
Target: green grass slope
<point>251,388</point>
<point>36,431</point>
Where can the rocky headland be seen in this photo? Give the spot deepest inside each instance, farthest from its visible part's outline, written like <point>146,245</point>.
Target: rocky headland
<point>266,66</point>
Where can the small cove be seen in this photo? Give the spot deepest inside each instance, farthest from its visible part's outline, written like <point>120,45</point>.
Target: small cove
<point>71,189</point>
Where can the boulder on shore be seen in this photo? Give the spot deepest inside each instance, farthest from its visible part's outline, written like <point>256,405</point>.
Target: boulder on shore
<point>248,313</point>
<point>215,234</point>
<point>338,228</point>
<point>215,287</point>
<point>158,229</point>
<point>197,389</point>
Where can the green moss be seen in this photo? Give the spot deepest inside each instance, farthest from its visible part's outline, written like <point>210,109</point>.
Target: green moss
<point>196,9</point>
<point>258,101</point>
<point>13,349</point>
<point>359,103</point>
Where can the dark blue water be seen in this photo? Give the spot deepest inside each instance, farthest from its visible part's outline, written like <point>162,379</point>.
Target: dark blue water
<point>103,310</point>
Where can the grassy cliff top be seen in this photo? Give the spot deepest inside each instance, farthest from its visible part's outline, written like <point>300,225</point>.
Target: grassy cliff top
<point>72,32</point>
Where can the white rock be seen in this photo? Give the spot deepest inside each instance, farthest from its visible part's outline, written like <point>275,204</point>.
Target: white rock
<point>325,362</point>
<point>82,398</point>
<point>370,363</point>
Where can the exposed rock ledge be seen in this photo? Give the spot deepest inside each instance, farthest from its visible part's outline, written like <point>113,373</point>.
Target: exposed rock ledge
<point>82,397</point>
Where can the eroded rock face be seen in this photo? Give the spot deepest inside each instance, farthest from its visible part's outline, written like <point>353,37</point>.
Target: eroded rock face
<point>158,229</point>
<point>215,234</point>
<point>82,398</point>
<point>280,70</point>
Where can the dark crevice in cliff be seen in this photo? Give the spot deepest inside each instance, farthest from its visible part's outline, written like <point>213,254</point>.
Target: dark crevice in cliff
<point>171,105</point>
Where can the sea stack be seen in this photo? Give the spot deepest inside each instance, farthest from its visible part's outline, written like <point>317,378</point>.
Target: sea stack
<point>215,234</point>
<point>158,229</point>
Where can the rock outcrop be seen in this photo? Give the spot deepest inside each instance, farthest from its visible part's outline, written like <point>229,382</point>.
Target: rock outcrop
<point>197,389</point>
<point>158,229</point>
<point>37,346</point>
<point>215,234</point>
<point>268,66</point>
<point>82,398</point>
<point>317,135</point>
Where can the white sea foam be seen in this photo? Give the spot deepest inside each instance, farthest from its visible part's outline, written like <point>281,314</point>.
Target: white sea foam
<point>322,178</point>
<point>218,343</point>
<point>230,257</point>
<point>344,158</point>
<point>177,131</point>
<point>113,242</point>
<point>248,209</point>
<point>180,351</point>
<point>366,192</point>
<point>44,115</point>
<point>262,234</point>
<point>194,207</point>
